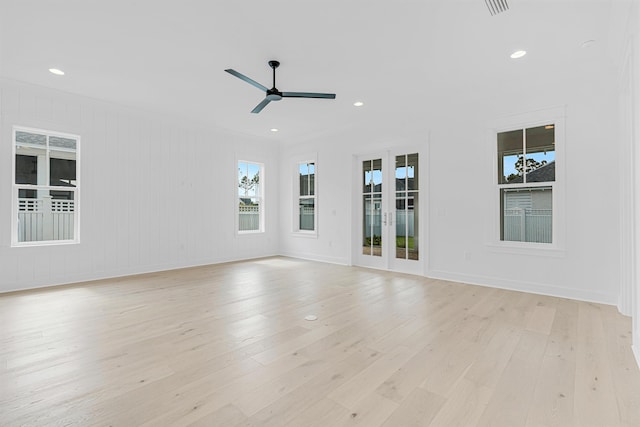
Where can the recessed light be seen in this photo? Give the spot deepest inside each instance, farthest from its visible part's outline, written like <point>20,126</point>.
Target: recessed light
<point>56,71</point>
<point>358,104</point>
<point>273,130</point>
<point>518,54</point>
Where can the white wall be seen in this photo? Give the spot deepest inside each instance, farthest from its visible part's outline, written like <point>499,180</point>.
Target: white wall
<point>630,138</point>
<point>453,130</point>
<point>156,193</point>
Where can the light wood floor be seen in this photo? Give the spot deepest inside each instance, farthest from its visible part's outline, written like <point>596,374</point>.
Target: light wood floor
<point>228,345</point>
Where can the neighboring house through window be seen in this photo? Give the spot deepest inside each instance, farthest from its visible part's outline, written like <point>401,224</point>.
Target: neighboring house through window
<point>526,181</point>
<point>306,197</point>
<point>250,197</point>
<point>45,188</point>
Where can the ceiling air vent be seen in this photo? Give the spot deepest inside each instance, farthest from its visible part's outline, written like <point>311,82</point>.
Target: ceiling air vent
<point>496,6</point>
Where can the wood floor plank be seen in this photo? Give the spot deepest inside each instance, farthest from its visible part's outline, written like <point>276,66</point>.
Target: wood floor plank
<point>227,416</point>
<point>371,410</point>
<point>595,402</point>
<point>290,406</point>
<point>618,337</point>
<point>228,345</point>
<point>464,407</point>
<point>417,410</point>
<point>511,399</point>
<point>353,391</point>
<point>553,397</point>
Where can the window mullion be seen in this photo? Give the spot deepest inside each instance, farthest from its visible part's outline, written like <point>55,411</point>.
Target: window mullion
<point>524,155</point>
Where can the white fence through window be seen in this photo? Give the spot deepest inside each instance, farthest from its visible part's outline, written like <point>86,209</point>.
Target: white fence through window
<point>249,218</point>
<point>45,219</point>
<point>528,225</point>
<point>307,217</point>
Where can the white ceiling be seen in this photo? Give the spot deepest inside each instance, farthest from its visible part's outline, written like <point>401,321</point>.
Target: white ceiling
<point>402,58</point>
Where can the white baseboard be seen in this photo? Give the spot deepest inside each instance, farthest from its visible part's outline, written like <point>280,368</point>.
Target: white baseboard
<point>141,269</point>
<point>522,286</point>
<point>315,257</point>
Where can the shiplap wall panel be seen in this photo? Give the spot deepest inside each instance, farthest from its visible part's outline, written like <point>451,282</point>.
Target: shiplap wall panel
<point>156,191</point>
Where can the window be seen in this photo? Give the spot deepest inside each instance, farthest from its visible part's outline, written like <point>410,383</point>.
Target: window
<point>45,188</point>
<point>306,197</point>
<point>526,181</point>
<point>250,197</point>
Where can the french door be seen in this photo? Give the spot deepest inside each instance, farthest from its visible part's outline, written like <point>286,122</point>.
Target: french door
<point>389,234</point>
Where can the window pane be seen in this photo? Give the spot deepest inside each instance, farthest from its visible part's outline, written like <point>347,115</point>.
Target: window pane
<point>510,156</point>
<point>30,138</point>
<point>26,169</point>
<point>45,215</point>
<point>526,215</point>
<point>62,173</point>
<point>307,179</point>
<point>541,154</point>
<point>249,214</point>
<point>56,141</point>
<point>312,179</point>
<point>307,214</point>
<point>248,179</point>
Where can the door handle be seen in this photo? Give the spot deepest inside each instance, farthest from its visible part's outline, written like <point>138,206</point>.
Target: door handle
<point>390,218</point>
<point>384,221</point>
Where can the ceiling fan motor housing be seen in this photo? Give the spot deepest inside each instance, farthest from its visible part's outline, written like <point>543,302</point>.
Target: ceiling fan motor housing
<point>274,95</point>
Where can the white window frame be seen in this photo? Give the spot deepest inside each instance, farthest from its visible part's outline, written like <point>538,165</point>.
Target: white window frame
<point>297,197</point>
<point>555,116</point>
<point>260,196</point>
<point>16,187</point>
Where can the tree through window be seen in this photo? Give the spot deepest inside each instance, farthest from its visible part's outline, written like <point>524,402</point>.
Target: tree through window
<point>250,197</point>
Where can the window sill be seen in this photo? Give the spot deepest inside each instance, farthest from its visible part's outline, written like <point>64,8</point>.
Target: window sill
<point>531,249</point>
<point>305,234</point>
<point>249,232</point>
<point>36,244</point>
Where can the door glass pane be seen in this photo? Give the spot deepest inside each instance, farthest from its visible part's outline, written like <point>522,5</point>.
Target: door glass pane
<point>406,219</point>
<point>372,207</point>
<point>401,173</point>
<point>406,213</point>
<point>372,225</point>
<point>412,171</point>
<point>401,225</point>
<point>376,175</point>
<point>366,176</point>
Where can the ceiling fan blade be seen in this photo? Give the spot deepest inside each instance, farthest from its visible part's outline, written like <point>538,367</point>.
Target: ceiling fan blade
<point>246,79</point>
<point>260,106</point>
<point>308,95</point>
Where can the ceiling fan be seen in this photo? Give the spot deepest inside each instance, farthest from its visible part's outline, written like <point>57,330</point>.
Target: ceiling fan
<point>274,94</point>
